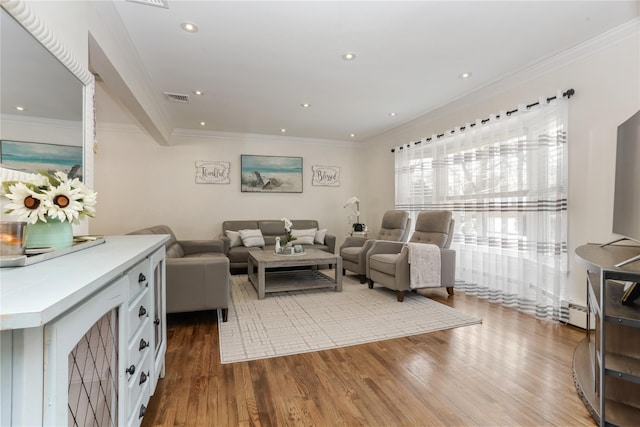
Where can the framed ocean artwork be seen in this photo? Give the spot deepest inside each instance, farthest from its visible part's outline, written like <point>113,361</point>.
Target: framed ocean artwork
<point>270,174</point>
<point>34,157</point>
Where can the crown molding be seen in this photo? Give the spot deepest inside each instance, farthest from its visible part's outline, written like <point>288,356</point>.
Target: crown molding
<point>194,133</point>
<point>506,82</point>
<point>120,127</point>
<point>603,41</point>
<point>42,121</point>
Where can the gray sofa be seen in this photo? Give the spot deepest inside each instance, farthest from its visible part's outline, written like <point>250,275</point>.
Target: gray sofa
<point>238,255</point>
<point>198,276</point>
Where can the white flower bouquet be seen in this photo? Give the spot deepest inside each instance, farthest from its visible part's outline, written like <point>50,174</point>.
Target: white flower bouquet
<point>287,226</point>
<point>50,196</point>
<point>351,202</point>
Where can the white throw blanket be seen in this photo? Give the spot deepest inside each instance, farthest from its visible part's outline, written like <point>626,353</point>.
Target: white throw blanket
<point>424,265</point>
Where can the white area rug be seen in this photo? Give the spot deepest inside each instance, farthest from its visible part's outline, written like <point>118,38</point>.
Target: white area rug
<point>302,321</point>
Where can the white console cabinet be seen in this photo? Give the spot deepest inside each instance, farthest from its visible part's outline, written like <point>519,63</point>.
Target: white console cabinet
<point>83,336</point>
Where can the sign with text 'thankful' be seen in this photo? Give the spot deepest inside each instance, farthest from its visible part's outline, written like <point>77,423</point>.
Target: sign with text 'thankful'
<point>212,172</point>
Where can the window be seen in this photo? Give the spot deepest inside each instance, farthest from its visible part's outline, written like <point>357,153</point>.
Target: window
<point>506,183</point>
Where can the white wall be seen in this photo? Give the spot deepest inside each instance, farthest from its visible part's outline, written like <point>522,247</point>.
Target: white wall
<point>605,74</point>
<point>141,183</point>
<point>45,131</point>
<point>130,166</point>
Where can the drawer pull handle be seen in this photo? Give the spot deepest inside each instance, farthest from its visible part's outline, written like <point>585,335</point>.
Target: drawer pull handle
<point>141,278</point>
<point>143,344</point>
<point>142,311</point>
<point>143,378</point>
<point>131,370</point>
<point>157,321</point>
<point>143,409</point>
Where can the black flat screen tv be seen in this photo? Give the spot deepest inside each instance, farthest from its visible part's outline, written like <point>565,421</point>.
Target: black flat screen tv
<point>626,204</point>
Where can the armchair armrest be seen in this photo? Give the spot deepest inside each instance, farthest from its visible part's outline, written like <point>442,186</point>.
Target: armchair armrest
<point>382,247</point>
<point>191,247</point>
<point>447,267</point>
<point>195,284</point>
<point>353,242</point>
<point>226,243</point>
<point>330,241</point>
<point>385,247</point>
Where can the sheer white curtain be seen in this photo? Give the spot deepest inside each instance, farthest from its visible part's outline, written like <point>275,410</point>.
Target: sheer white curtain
<point>506,182</point>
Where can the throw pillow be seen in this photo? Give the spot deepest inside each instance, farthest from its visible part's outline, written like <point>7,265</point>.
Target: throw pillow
<point>234,237</point>
<point>304,237</point>
<point>252,238</point>
<point>320,235</point>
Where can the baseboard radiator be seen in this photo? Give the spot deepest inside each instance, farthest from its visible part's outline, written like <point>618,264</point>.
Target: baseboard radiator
<point>576,315</point>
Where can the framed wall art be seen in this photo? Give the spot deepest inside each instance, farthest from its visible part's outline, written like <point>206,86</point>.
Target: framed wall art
<point>208,172</point>
<point>270,174</point>
<point>34,156</point>
<point>327,176</point>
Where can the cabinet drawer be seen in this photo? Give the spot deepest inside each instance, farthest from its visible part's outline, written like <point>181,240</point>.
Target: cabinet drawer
<point>139,392</point>
<point>139,277</point>
<point>139,345</point>
<point>139,310</point>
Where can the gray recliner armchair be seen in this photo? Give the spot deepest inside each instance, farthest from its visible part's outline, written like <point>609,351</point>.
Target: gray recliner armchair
<point>388,262</point>
<point>198,276</point>
<point>395,227</point>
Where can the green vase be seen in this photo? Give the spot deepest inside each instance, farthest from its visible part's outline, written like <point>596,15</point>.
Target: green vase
<point>51,234</point>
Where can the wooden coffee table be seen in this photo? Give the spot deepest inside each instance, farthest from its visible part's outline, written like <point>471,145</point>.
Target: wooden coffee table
<point>286,280</point>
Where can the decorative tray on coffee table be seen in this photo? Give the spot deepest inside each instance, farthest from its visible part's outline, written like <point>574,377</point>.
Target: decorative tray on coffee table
<point>289,253</point>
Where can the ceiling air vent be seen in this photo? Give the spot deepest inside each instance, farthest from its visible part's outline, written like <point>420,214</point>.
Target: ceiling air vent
<point>156,3</point>
<point>177,97</point>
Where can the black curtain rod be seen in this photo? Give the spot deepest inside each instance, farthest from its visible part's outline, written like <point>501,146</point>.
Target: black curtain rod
<point>569,93</point>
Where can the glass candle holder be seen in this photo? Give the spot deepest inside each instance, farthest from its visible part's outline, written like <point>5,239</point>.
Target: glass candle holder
<point>12,238</point>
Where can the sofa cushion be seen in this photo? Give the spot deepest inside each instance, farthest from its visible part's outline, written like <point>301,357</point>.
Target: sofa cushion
<point>320,235</point>
<point>385,263</point>
<point>239,254</point>
<point>271,227</point>
<point>432,227</point>
<point>271,240</point>
<point>303,224</point>
<point>234,238</point>
<point>206,255</point>
<point>252,238</point>
<point>351,253</point>
<point>304,237</point>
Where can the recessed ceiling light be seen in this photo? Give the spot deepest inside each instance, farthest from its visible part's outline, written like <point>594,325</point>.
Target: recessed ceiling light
<point>305,105</point>
<point>198,92</point>
<point>189,27</point>
<point>283,130</point>
<point>20,108</point>
<point>202,123</point>
<point>464,75</point>
<point>349,56</point>
<point>353,135</point>
<point>392,114</point>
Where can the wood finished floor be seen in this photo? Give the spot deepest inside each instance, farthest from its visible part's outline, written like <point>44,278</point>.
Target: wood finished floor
<point>510,370</point>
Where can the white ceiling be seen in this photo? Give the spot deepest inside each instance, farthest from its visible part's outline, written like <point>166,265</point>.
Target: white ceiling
<point>257,62</point>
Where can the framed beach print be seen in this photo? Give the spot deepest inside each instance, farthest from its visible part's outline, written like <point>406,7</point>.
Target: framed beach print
<point>33,157</point>
<point>270,174</point>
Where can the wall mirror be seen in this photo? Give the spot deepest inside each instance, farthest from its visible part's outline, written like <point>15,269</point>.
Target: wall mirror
<point>43,120</point>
